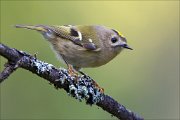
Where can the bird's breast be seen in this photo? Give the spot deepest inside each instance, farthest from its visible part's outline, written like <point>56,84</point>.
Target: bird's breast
<point>80,57</point>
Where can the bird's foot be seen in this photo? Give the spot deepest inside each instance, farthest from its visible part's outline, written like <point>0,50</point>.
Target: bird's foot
<point>97,86</point>
<point>94,82</point>
<point>73,72</point>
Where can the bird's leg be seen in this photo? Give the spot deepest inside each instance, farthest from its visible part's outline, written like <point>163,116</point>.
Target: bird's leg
<point>71,70</point>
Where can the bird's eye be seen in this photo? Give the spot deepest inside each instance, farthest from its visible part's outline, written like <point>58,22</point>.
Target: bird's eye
<point>113,39</point>
<point>74,32</point>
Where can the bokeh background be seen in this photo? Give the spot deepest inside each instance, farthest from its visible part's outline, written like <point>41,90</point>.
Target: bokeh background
<point>145,80</point>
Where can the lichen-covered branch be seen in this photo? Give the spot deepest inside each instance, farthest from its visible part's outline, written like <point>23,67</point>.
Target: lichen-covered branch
<point>80,87</point>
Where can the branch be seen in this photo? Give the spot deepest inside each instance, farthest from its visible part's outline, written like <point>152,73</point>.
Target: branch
<point>9,69</point>
<point>81,87</point>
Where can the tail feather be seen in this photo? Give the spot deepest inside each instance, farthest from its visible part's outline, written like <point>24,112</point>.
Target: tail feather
<point>32,27</point>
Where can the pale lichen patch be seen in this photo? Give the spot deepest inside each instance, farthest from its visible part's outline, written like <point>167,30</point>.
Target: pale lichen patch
<point>42,66</point>
<point>80,87</point>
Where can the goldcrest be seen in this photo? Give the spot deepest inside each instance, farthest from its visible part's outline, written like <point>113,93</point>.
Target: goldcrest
<point>82,46</point>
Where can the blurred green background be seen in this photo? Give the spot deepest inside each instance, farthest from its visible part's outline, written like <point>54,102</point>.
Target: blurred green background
<point>145,80</point>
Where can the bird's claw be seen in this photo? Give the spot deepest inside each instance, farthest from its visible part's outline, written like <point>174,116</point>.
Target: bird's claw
<point>73,72</point>
<point>97,86</point>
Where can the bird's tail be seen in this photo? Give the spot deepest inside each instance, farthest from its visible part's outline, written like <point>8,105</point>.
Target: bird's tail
<point>32,27</point>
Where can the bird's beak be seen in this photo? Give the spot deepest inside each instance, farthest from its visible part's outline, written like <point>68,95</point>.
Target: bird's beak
<point>126,46</point>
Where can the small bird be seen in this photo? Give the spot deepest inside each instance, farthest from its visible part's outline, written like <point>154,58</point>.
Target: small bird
<point>82,46</point>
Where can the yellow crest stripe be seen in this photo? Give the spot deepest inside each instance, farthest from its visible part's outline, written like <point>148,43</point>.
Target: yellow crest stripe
<point>119,33</point>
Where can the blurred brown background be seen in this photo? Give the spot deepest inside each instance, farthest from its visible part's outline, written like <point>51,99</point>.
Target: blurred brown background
<point>145,80</point>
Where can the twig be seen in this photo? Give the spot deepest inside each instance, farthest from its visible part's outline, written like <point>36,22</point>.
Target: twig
<point>80,87</point>
<point>9,69</point>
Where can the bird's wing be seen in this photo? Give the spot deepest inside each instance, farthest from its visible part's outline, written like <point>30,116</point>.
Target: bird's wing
<point>71,33</point>
<point>67,32</point>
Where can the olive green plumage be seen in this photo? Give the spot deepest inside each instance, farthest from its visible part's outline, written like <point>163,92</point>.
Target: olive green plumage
<point>83,45</point>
